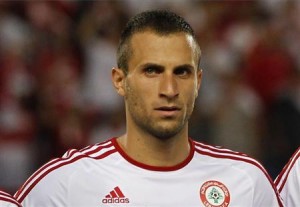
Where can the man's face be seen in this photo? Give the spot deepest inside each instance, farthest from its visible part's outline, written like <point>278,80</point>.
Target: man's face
<point>162,83</point>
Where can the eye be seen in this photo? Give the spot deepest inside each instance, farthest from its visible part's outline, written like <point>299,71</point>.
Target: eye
<point>183,71</point>
<point>152,70</point>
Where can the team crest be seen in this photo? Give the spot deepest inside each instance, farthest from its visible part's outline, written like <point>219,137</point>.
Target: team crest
<point>214,194</point>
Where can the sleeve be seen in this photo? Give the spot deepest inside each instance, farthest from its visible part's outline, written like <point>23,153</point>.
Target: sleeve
<point>288,181</point>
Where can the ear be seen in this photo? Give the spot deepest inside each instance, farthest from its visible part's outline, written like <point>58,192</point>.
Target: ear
<point>199,79</point>
<point>118,78</point>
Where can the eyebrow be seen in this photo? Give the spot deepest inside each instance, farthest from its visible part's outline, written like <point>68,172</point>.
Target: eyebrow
<point>154,65</point>
<point>184,66</point>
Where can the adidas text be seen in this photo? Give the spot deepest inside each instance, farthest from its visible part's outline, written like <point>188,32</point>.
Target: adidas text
<point>115,200</point>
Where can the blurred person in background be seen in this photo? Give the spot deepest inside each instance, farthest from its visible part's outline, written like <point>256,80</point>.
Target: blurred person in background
<point>282,137</point>
<point>17,127</point>
<point>288,181</point>
<point>284,124</point>
<point>57,68</point>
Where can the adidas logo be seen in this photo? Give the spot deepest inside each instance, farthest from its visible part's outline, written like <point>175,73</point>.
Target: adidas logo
<point>115,196</point>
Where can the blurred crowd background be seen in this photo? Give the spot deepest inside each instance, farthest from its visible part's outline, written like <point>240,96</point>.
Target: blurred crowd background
<point>56,91</point>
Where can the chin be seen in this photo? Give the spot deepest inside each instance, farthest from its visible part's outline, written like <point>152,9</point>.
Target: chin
<point>166,133</point>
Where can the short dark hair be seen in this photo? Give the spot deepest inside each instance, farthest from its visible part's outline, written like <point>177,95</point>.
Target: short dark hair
<point>161,22</point>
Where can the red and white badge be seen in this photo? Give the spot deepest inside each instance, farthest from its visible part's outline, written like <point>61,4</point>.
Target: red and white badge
<point>214,194</point>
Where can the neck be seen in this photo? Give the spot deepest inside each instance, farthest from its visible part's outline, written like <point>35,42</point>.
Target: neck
<point>152,151</point>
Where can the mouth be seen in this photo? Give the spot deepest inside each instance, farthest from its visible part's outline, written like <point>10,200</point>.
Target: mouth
<point>168,111</point>
<point>168,108</point>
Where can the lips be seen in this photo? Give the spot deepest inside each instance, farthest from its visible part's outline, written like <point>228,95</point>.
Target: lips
<point>168,111</point>
<point>168,108</point>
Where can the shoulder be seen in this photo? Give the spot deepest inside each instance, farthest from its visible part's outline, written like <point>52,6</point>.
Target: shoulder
<point>57,171</point>
<point>290,173</point>
<point>222,156</point>
<point>6,200</point>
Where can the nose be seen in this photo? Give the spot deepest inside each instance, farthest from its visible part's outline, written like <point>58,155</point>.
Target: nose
<point>168,86</point>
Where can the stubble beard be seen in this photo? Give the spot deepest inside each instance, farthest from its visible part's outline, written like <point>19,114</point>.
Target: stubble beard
<point>156,128</point>
<point>163,128</point>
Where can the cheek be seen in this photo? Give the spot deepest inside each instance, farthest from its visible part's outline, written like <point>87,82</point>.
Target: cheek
<point>190,100</point>
<point>191,91</point>
<point>140,88</point>
<point>134,96</point>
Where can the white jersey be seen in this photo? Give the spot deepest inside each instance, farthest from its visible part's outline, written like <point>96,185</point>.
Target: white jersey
<point>6,200</point>
<point>288,181</point>
<point>104,175</point>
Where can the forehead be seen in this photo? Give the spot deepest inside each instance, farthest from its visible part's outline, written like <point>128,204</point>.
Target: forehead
<point>152,47</point>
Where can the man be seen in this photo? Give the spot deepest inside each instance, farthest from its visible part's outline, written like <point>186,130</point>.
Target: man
<point>288,181</point>
<point>7,200</point>
<point>154,163</point>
